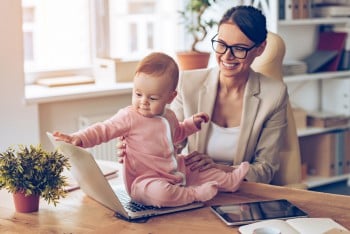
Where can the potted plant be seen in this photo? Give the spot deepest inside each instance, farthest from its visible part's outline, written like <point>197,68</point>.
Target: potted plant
<point>198,28</point>
<point>30,173</point>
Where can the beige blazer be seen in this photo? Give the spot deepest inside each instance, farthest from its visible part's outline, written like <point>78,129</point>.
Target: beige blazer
<point>263,119</point>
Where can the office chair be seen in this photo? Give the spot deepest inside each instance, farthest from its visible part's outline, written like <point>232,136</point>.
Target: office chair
<point>270,64</point>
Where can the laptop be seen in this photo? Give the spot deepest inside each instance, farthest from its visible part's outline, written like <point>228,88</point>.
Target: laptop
<point>94,184</point>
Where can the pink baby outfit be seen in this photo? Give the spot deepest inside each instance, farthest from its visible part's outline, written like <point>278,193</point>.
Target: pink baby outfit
<point>153,173</point>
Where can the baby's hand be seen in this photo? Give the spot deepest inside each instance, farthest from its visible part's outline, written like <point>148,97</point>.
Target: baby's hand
<point>74,140</point>
<point>121,149</point>
<point>199,118</point>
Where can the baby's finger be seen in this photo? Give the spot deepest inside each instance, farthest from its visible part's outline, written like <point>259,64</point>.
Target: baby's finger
<point>121,153</point>
<point>120,160</point>
<point>121,145</point>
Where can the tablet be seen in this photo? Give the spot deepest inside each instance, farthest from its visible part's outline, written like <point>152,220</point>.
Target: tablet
<point>250,212</point>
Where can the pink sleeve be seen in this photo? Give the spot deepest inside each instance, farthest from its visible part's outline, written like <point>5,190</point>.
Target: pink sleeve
<point>118,125</point>
<point>183,129</point>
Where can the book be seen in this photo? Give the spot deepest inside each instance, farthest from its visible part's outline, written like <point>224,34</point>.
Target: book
<point>319,59</point>
<point>294,9</point>
<point>294,67</point>
<point>347,152</point>
<point>332,11</point>
<point>304,9</point>
<point>325,119</point>
<point>296,226</point>
<point>345,58</point>
<point>339,152</point>
<point>334,41</point>
<point>323,146</point>
<point>291,9</point>
<point>281,10</point>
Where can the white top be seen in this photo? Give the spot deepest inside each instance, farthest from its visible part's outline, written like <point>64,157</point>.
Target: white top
<point>222,142</point>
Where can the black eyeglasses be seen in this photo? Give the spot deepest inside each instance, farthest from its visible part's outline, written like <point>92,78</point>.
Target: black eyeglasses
<point>236,51</point>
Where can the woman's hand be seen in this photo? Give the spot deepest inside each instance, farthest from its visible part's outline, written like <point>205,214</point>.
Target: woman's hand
<point>202,162</point>
<point>199,161</point>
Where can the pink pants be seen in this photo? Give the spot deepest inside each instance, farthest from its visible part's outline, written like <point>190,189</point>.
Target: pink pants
<point>200,186</point>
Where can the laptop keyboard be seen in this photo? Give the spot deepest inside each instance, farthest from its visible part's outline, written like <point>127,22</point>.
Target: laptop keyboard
<point>129,204</point>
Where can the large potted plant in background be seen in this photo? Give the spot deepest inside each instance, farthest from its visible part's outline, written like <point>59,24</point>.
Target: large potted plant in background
<point>197,27</point>
<point>30,173</point>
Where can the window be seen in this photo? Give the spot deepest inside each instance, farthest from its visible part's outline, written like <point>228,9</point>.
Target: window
<point>140,26</point>
<point>66,35</point>
<point>56,34</point>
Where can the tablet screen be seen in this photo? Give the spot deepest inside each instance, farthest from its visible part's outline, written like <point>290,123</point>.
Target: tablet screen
<point>244,213</point>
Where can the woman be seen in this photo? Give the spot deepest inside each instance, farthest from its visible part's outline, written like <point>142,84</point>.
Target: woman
<point>248,110</point>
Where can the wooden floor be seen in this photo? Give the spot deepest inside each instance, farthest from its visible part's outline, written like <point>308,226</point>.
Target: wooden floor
<point>336,188</point>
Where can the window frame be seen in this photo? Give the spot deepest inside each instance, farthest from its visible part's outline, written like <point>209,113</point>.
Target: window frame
<point>32,76</point>
<point>99,43</point>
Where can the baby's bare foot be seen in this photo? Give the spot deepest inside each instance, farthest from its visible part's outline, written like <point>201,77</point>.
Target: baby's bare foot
<point>238,174</point>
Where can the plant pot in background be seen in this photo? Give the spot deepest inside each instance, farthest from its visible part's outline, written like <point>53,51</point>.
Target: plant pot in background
<point>189,60</point>
<point>26,204</point>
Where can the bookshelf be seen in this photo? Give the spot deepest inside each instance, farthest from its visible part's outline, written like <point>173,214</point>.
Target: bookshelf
<point>315,181</point>
<point>326,153</point>
<point>313,130</point>
<point>300,36</point>
<point>315,21</point>
<point>317,76</point>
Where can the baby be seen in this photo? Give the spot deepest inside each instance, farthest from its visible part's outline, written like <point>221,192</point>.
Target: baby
<point>153,173</point>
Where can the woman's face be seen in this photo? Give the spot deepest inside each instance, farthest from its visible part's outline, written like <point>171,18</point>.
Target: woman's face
<point>230,66</point>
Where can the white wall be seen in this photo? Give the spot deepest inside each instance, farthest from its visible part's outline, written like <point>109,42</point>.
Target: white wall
<point>18,122</point>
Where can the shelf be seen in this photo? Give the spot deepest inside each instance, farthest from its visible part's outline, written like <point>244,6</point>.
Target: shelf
<point>314,21</point>
<point>313,131</point>
<point>292,30</point>
<point>37,94</point>
<point>317,76</point>
<point>315,181</point>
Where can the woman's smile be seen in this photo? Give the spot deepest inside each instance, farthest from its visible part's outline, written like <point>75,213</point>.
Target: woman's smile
<point>229,65</point>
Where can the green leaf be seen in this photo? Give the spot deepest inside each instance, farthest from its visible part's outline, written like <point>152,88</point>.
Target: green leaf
<point>35,171</point>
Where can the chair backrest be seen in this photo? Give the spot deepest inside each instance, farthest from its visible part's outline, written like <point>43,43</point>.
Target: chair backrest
<point>270,64</point>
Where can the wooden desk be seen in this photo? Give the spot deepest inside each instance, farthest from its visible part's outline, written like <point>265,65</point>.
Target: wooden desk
<point>77,213</point>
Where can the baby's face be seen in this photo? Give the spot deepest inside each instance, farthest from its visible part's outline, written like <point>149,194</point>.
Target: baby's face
<point>151,94</point>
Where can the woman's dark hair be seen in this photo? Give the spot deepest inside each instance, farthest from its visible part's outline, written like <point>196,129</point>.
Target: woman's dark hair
<point>250,20</point>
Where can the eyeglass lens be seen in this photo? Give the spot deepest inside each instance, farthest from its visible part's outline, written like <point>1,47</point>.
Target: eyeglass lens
<point>236,51</point>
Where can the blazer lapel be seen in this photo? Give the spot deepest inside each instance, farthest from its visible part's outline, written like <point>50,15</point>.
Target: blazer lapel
<point>206,101</point>
<point>250,110</point>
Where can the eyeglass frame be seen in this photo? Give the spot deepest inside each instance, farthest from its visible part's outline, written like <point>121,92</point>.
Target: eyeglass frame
<point>246,50</point>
